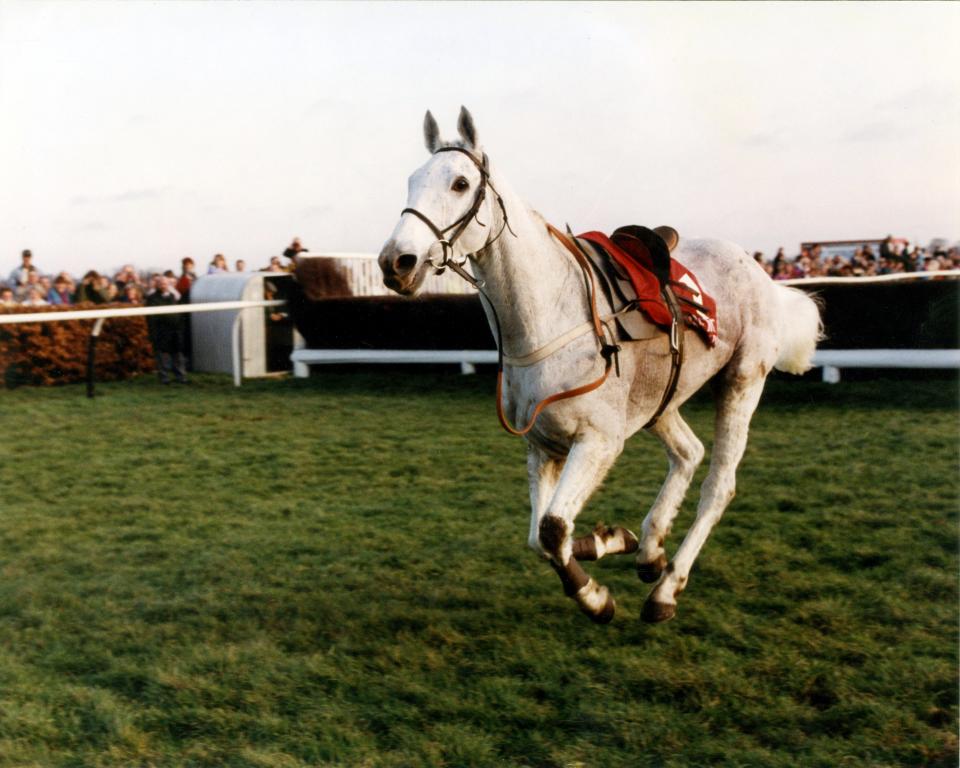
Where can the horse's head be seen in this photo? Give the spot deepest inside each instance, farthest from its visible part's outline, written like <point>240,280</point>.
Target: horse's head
<point>447,213</point>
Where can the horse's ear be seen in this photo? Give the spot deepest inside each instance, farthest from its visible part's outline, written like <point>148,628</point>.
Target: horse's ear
<point>431,133</point>
<point>468,131</point>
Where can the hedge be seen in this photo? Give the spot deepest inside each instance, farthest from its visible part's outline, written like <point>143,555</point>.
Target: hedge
<point>56,352</point>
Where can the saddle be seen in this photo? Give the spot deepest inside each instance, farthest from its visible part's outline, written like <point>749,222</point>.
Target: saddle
<point>636,272</point>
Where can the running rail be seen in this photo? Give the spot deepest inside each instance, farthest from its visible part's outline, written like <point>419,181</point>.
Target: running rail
<point>101,315</point>
<point>895,277</point>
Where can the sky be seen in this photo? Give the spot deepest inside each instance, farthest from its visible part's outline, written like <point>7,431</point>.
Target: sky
<point>144,132</point>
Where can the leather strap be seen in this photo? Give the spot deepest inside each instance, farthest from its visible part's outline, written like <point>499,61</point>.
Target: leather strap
<point>608,351</point>
<point>571,245</point>
<point>582,390</point>
<point>522,361</point>
<point>677,331</point>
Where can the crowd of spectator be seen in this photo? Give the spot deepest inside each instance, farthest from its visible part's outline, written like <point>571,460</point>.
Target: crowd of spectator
<point>29,286</point>
<point>890,257</point>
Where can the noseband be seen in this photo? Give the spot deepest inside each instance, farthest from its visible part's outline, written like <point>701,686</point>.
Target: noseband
<point>446,258</point>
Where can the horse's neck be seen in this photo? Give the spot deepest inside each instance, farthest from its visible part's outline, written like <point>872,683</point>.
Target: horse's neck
<point>535,286</point>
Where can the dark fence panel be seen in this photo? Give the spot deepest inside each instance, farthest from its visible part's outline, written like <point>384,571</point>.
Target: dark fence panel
<point>393,322</point>
<point>916,315</point>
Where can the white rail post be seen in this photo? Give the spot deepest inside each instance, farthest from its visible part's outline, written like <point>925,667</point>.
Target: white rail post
<point>235,351</point>
<point>92,353</point>
<point>300,370</point>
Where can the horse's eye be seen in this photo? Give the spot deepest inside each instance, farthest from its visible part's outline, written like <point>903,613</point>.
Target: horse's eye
<point>461,185</point>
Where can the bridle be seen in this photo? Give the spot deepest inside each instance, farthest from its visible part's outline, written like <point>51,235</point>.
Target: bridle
<point>446,257</point>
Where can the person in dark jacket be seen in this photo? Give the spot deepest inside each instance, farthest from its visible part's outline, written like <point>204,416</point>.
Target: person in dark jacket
<point>89,290</point>
<point>166,331</point>
<point>294,250</point>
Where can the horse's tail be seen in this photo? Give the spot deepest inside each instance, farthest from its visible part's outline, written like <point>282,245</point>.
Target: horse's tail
<point>800,329</point>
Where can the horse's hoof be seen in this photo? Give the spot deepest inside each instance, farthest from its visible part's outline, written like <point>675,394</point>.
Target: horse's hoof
<point>654,613</point>
<point>596,601</point>
<point>650,572</point>
<point>606,613</point>
<point>630,541</point>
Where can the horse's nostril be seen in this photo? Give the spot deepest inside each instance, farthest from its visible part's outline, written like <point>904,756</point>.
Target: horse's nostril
<point>405,263</point>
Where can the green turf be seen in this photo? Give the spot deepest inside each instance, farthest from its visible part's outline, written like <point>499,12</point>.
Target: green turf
<point>334,573</point>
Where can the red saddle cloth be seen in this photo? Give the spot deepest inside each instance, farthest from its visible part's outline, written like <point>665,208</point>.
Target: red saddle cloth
<point>633,258</point>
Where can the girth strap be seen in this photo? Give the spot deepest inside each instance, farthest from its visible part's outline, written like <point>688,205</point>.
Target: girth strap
<point>677,330</point>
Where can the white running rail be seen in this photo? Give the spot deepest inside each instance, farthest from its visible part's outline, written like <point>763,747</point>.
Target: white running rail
<point>897,277</point>
<point>832,360</point>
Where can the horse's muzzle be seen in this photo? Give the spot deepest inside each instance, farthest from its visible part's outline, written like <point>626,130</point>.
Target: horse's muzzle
<point>399,269</point>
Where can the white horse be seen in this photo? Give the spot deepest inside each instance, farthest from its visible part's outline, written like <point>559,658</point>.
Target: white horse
<point>460,208</point>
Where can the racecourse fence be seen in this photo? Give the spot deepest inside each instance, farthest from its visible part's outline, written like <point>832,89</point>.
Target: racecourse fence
<point>856,326</point>
<point>904,321</point>
<point>848,309</point>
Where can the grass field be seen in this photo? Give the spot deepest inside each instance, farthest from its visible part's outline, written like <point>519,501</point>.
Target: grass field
<point>334,573</point>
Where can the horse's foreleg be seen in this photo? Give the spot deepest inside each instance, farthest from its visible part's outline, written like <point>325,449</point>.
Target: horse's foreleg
<point>543,473</point>
<point>586,465</point>
<point>685,452</point>
<point>736,404</point>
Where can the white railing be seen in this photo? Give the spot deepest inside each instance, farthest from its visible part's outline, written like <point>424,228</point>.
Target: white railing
<point>101,315</point>
<point>95,314</point>
<point>366,280</point>
<point>832,360</point>
<point>896,277</point>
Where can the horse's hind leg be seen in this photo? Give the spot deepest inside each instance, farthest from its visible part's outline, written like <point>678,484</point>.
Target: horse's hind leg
<point>736,401</point>
<point>585,467</point>
<point>685,453</point>
<point>605,540</point>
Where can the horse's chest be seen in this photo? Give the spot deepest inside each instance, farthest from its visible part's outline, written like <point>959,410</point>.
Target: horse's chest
<point>556,423</point>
